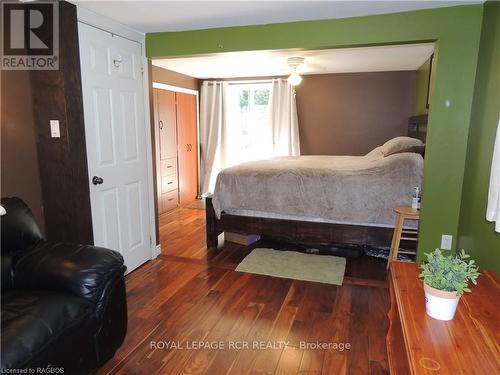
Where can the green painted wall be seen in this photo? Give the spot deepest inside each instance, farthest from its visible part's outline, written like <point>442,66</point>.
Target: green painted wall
<point>422,83</point>
<point>476,235</point>
<point>457,32</point>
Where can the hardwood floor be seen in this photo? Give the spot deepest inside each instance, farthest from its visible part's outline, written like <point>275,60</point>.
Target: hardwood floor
<point>190,296</point>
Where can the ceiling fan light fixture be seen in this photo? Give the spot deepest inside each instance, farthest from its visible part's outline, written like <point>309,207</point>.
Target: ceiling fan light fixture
<point>294,62</point>
<point>294,79</point>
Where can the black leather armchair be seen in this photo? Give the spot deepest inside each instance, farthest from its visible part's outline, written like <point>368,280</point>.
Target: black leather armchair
<point>63,305</point>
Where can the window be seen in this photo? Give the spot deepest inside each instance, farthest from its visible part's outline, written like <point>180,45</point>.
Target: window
<point>248,127</point>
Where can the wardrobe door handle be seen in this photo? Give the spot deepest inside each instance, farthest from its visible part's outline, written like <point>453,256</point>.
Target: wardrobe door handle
<point>187,148</point>
<point>161,124</point>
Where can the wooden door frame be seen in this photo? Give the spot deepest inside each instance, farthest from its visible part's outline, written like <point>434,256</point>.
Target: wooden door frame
<point>163,86</point>
<point>115,28</point>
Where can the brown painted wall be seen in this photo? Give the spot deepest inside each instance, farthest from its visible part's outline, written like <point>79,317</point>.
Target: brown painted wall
<point>170,77</point>
<point>350,114</point>
<point>19,168</point>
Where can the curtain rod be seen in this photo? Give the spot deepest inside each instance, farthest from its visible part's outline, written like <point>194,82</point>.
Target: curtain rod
<point>249,81</point>
<point>236,82</point>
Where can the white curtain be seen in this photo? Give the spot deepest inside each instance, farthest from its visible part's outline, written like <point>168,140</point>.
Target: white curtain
<point>211,131</point>
<point>220,133</point>
<point>284,123</point>
<point>493,210</point>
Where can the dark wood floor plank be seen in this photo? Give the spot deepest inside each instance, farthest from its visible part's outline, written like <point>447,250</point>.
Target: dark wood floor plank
<point>267,360</point>
<point>378,306</point>
<point>178,305</point>
<point>196,323</point>
<point>223,360</point>
<point>335,361</point>
<point>319,332</point>
<point>312,362</point>
<point>289,361</point>
<point>218,333</point>
<point>358,358</point>
<point>303,321</point>
<point>272,297</point>
<point>207,320</point>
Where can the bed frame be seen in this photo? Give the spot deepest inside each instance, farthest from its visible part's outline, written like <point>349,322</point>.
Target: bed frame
<point>304,232</point>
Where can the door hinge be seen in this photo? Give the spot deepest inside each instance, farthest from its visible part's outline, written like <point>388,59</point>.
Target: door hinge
<point>142,68</point>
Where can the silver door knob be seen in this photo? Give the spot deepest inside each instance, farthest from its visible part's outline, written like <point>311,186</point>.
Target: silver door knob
<point>96,180</point>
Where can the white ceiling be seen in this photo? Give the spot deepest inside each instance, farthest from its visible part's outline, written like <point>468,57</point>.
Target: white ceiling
<point>151,16</point>
<point>274,63</point>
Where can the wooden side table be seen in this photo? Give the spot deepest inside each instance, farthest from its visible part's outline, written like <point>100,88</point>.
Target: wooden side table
<point>420,345</point>
<point>402,213</point>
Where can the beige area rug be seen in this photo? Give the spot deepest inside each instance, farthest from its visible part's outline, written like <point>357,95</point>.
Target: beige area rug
<point>326,269</point>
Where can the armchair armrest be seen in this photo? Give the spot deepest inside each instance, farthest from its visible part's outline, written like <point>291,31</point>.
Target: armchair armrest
<point>82,270</point>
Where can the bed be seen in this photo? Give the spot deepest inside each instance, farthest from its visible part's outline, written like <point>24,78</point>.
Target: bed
<point>318,199</point>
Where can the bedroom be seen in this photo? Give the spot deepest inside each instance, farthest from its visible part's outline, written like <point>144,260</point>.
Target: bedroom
<point>348,102</point>
<point>91,267</point>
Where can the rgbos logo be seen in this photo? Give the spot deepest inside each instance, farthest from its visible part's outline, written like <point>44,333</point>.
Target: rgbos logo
<point>30,35</point>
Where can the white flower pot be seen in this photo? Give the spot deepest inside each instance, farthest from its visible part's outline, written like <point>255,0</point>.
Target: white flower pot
<point>440,304</point>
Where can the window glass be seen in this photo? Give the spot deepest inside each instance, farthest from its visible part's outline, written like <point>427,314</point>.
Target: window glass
<point>248,135</point>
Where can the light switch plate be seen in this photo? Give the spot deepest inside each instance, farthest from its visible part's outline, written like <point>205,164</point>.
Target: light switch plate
<point>446,241</point>
<point>55,132</point>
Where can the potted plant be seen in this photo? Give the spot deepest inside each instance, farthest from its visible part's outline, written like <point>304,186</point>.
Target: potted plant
<point>446,278</point>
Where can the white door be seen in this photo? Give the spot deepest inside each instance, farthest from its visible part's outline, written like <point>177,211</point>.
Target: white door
<point>115,132</point>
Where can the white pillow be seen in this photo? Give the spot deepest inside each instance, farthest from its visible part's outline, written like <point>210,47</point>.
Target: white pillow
<point>399,143</point>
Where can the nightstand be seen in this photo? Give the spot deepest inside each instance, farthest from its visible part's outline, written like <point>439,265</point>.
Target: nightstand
<point>402,213</point>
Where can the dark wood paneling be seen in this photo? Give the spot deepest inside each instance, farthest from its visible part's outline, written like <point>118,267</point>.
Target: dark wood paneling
<point>57,95</point>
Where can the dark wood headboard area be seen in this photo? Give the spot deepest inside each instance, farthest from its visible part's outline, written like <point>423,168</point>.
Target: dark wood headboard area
<point>417,127</point>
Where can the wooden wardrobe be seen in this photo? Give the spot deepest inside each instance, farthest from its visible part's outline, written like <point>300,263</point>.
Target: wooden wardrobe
<point>176,143</point>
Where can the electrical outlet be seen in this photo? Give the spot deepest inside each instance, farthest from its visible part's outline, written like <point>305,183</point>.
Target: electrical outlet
<point>446,241</point>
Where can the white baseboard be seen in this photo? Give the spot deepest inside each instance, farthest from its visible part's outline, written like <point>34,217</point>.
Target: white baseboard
<point>156,251</point>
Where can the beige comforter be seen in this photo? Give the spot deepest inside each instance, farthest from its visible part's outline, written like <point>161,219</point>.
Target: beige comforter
<point>358,190</point>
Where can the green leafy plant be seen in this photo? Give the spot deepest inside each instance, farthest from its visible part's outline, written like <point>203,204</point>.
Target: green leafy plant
<point>449,273</point>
